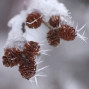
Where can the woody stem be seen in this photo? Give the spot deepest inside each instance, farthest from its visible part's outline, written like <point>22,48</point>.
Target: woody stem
<point>49,26</point>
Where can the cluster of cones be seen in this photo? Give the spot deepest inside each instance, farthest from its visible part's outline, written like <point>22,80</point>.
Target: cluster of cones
<point>57,31</point>
<point>25,59</point>
<point>63,31</point>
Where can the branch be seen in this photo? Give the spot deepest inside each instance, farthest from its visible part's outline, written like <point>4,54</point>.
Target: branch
<point>49,26</point>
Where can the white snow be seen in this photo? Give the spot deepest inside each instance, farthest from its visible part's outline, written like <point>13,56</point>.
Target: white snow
<point>15,36</point>
<point>36,35</point>
<point>49,8</point>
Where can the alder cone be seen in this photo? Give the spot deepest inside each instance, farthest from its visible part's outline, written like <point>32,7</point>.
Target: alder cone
<point>34,20</point>
<point>32,46</point>
<point>31,49</point>
<point>53,37</point>
<point>67,33</point>
<point>27,68</point>
<point>54,21</point>
<point>11,57</point>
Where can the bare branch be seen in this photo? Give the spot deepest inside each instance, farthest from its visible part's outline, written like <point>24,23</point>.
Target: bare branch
<point>49,26</point>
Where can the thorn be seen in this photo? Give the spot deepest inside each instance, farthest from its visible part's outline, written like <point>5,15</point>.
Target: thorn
<point>36,81</point>
<point>77,26</point>
<point>42,68</point>
<point>82,37</point>
<point>39,62</point>
<point>83,33</point>
<point>45,50</point>
<point>45,54</point>
<point>81,28</point>
<point>39,75</point>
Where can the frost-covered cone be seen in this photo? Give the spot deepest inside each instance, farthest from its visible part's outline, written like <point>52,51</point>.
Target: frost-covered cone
<point>34,20</point>
<point>31,49</point>
<point>12,57</point>
<point>67,33</point>
<point>54,21</point>
<point>27,68</point>
<point>53,38</point>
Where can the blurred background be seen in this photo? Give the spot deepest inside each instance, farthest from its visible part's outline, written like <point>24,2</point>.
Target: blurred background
<point>69,63</point>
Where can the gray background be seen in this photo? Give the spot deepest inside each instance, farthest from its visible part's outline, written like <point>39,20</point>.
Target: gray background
<point>69,63</point>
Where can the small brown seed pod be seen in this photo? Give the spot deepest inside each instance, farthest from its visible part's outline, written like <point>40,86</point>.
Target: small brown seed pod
<point>32,46</point>
<point>31,49</point>
<point>53,37</point>
<point>54,21</point>
<point>67,33</point>
<point>27,68</point>
<point>11,57</point>
<point>34,20</point>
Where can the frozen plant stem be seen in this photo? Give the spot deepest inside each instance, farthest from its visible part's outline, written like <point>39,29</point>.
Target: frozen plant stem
<point>49,26</point>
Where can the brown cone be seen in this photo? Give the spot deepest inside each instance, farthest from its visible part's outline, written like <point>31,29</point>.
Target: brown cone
<point>53,37</point>
<point>27,68</point>
<point>25,59</point>
<point>54,21</point>
<point>31,49</point>
<point>34,20</point>
<point>12,57</point>
<point>67,33</point>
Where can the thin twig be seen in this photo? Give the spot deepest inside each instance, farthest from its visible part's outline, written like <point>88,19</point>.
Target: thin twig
<point>49,26</point>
